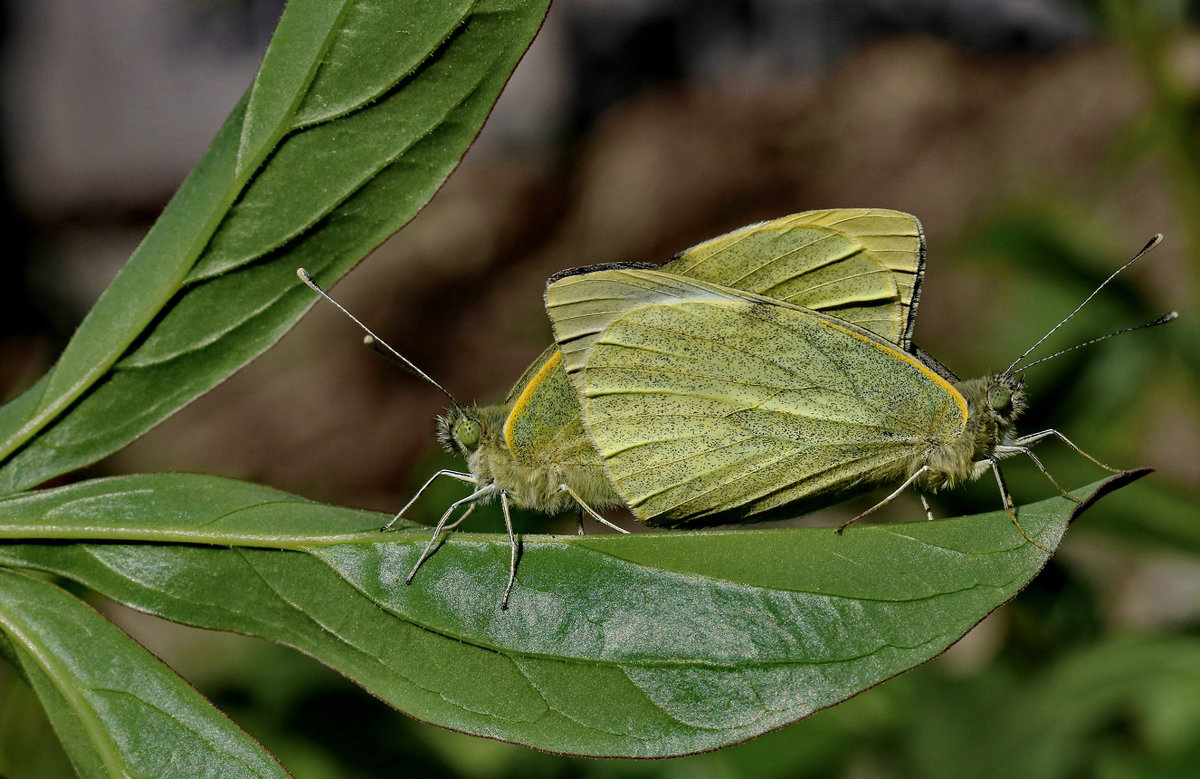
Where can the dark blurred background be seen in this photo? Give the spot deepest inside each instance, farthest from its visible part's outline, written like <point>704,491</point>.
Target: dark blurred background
<point>1041,143</point>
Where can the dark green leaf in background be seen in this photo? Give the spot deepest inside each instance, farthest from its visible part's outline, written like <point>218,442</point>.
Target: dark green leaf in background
<point>315,167</point>
<point>117,710</point>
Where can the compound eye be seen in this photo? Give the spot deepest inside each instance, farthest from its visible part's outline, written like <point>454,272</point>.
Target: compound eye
<point>467,433</point>
<point>999,397</point>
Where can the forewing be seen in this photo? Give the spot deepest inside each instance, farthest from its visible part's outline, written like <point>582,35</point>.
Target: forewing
<point>535,368</point>
<point>862,265</point>
<point>711,405</point>
<point>545,423</point>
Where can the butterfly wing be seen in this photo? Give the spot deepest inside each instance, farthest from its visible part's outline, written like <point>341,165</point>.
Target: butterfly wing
<point>545,422</point>
<point>862,265</point>
<point>711,405</point>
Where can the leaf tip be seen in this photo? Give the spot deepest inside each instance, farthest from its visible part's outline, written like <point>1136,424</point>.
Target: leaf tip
<point>1109,485</point>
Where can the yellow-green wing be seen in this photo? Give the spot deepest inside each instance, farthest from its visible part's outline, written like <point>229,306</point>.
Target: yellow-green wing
<point>531,373</point>
<point>545,423</point>
<point>711,405</point>
<point>862,265</point>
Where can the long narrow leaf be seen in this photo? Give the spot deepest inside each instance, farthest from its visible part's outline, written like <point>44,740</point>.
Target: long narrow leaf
<point>117,710</point>
<point>361,111</point>
<point>653,644</point>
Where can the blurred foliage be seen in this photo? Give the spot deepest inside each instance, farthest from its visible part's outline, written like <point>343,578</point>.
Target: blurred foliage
<point>1060,682</point>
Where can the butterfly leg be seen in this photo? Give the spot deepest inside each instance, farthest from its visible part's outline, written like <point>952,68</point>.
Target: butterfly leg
<point>579,520</point>
<point>1010,509</point>
<point>1009,506</point>
<point>463,477</point>
<point>1025,450</point>
<point>513,546</point>
<point>459,521</point>
<point>441,525</point>
<point>585,507</point>
<point>925,503</point>
<point>1033,438</point>
<point>907,483</point>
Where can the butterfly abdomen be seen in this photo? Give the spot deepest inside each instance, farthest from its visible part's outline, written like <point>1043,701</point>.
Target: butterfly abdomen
<point>946,463</point>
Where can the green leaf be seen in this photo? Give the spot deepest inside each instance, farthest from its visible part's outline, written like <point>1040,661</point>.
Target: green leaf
<point>651,644</point>
<point>116,709</point>
<point>359,113</point>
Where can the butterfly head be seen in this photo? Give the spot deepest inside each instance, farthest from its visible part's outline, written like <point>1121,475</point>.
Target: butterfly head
<point>1005,400</point>
<point>459,431</point>
<point>1006,395</point>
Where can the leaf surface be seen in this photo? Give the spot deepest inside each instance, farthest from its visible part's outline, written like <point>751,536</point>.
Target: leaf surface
<point>359,113</point>
<point>652,644</point>
<point>116,709</point>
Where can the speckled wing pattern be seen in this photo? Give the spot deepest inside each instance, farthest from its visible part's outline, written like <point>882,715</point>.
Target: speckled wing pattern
<point>862,265</point>
<point>711,405</point>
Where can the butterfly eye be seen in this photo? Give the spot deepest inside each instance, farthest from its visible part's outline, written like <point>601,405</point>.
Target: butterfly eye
<point>999,397</point>
<point>467,433</point>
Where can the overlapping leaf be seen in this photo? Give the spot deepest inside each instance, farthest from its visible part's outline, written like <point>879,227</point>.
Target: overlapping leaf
<point>117,710</point>
<point>360,112</point>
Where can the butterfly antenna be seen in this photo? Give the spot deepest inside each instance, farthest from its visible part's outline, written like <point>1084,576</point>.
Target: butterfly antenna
<point>1155,241</point>
<point>374,341</point>
<point>1162,320</point>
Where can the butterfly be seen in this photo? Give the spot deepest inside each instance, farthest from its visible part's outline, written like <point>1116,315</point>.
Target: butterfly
<point>532,450</point>
<point>712,405</point>
<point>766,371</point>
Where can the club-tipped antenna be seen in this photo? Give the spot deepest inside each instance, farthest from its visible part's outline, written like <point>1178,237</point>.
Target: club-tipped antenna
<point>1162,320</point>
<point>372,340</point>
<point>1149,245</point>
